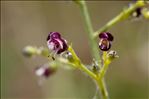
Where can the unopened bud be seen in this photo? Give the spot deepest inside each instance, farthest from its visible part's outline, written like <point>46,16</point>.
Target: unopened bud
<point>29,51</point>
<point>112,54</point>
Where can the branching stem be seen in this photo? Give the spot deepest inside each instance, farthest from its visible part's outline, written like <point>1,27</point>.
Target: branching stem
<point>123,15</point>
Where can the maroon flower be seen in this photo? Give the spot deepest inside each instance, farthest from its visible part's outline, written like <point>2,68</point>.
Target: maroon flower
<point>56,43</point>
<point>105,41</point>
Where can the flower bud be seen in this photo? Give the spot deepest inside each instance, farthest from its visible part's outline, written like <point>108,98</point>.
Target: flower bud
<point>29,51</point>
<point>69,56</point>
<point>109,56</point>
<point>112,54</point>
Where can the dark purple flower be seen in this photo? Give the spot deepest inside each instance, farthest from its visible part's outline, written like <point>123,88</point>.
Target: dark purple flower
<point>44,71</point>
<point>56,43</point>
<point>105,41</point>
<point>53,35</point>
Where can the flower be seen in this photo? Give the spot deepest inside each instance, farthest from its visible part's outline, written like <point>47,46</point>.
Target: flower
<point>45,71</point>
<point>56,43</point>
<point>106,39</point>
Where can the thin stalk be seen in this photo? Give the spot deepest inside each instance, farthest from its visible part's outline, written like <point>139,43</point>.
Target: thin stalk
<point>79,64</point>
<point>103,90</point>
<point>103,71</point>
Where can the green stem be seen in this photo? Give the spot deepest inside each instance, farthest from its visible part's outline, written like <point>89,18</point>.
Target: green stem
<point>97,78</point>
<point>91,74</point>
<point>89,29</point>
<point>103,91</point>
<point>79,64</point>
<point>123,15</point>
<point>103,71</point>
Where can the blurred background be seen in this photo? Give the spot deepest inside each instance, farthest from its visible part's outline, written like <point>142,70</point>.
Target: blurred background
<point>29,22</point>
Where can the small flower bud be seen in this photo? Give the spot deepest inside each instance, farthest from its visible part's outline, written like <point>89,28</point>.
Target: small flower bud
<point>29,51</point>
<point>69,56</point>
<point>112,54</point>
<point>95,67</point>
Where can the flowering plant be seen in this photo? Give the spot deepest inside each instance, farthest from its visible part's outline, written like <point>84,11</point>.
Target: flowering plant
<point>60,52</point>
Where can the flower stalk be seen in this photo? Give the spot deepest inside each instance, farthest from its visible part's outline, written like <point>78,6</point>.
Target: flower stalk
<point>80,65</point>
